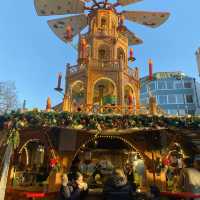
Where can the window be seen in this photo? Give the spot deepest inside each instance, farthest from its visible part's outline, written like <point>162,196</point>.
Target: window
<point>144,89</point>
<point>191,112</point>
<point>172,99</point>
<point>161,85</point>
<point>187,85</point>
<point>152,86</point>
<point>145,101</point>
<point>170,85</point>
<point>180,99</point>
<point>162,99</point>
<point>179,85</point>
<point>173,112</point>
<point>103,22</point>
<point>181,112</point>
<point>120,54</point>
<point>189,98</point>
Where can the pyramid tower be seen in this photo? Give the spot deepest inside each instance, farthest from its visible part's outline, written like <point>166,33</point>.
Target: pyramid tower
<point>102,76</point>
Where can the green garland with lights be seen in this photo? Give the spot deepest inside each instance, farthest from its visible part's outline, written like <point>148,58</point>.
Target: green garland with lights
<point>36,119</point>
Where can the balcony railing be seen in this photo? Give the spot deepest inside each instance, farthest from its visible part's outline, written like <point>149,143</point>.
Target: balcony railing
<point>107,65</point>
<point>104,65</point>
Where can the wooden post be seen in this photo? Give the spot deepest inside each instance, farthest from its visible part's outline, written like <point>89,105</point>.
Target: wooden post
<point>152,105</point>
<point>5,170</point>
<point>154,171</point>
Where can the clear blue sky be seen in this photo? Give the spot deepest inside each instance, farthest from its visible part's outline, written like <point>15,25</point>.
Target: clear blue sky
<point>31,55</point>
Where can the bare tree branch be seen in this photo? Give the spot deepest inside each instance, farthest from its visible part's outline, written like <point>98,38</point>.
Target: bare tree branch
<point>8,97</point>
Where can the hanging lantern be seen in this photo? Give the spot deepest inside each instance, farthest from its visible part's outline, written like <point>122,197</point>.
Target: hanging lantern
<point>48,106</point>
<point>150,70</point>
<point>131,55</point>
<point>69,34</point>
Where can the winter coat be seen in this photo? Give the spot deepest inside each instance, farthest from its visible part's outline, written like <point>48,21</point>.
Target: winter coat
<point>65,192</point>
<point>190,180</point>
<point>117,188</point>
<point>68,193</point>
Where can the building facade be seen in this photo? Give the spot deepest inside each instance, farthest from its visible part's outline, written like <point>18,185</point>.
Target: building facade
<point>175,92</point>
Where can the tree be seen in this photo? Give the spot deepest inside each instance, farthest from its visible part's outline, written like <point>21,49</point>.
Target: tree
<point>8,97</point>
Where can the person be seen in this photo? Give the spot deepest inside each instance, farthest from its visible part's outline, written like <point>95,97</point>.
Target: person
<point>65,190</point>
<point>154,193</point>
<point>80,186</point>
<point>87,165</point>
<point>74,169</point>
<point>105,166</point>
<point>117,187</point>
<point>190,177</point>
<point>128,170</point>
<point>197,162</point>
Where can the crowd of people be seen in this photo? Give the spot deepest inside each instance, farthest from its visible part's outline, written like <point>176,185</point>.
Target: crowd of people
<point>118,183</point>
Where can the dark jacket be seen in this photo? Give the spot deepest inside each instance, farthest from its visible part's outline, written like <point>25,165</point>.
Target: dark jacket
<point>68,193</point>
<point>117,188</point>
<point>65,192</point>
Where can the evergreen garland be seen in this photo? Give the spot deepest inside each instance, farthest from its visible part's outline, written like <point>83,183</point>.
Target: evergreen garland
<point>36,119</point>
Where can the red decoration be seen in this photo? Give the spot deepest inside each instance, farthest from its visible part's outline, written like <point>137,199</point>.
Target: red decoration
<point>150,70</point>
<point>131,53</point>
<point>34,195</point>
<point>166,161</point>
<point>53,162</point>
<point>7,125</point>
<point>69,34</point>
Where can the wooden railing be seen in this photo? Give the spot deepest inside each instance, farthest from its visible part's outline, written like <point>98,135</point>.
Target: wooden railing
<point>105,64</point>
<point>117,109</point>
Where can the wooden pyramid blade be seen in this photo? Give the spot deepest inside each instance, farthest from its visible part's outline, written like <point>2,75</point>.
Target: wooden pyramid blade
<point>59,26</point>
<point>151,19</point>
<point>127,2</point>
<point>132,38</point>
<point>58,7</point>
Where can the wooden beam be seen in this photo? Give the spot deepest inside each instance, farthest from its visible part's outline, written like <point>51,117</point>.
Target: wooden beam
<point>95,2</point>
